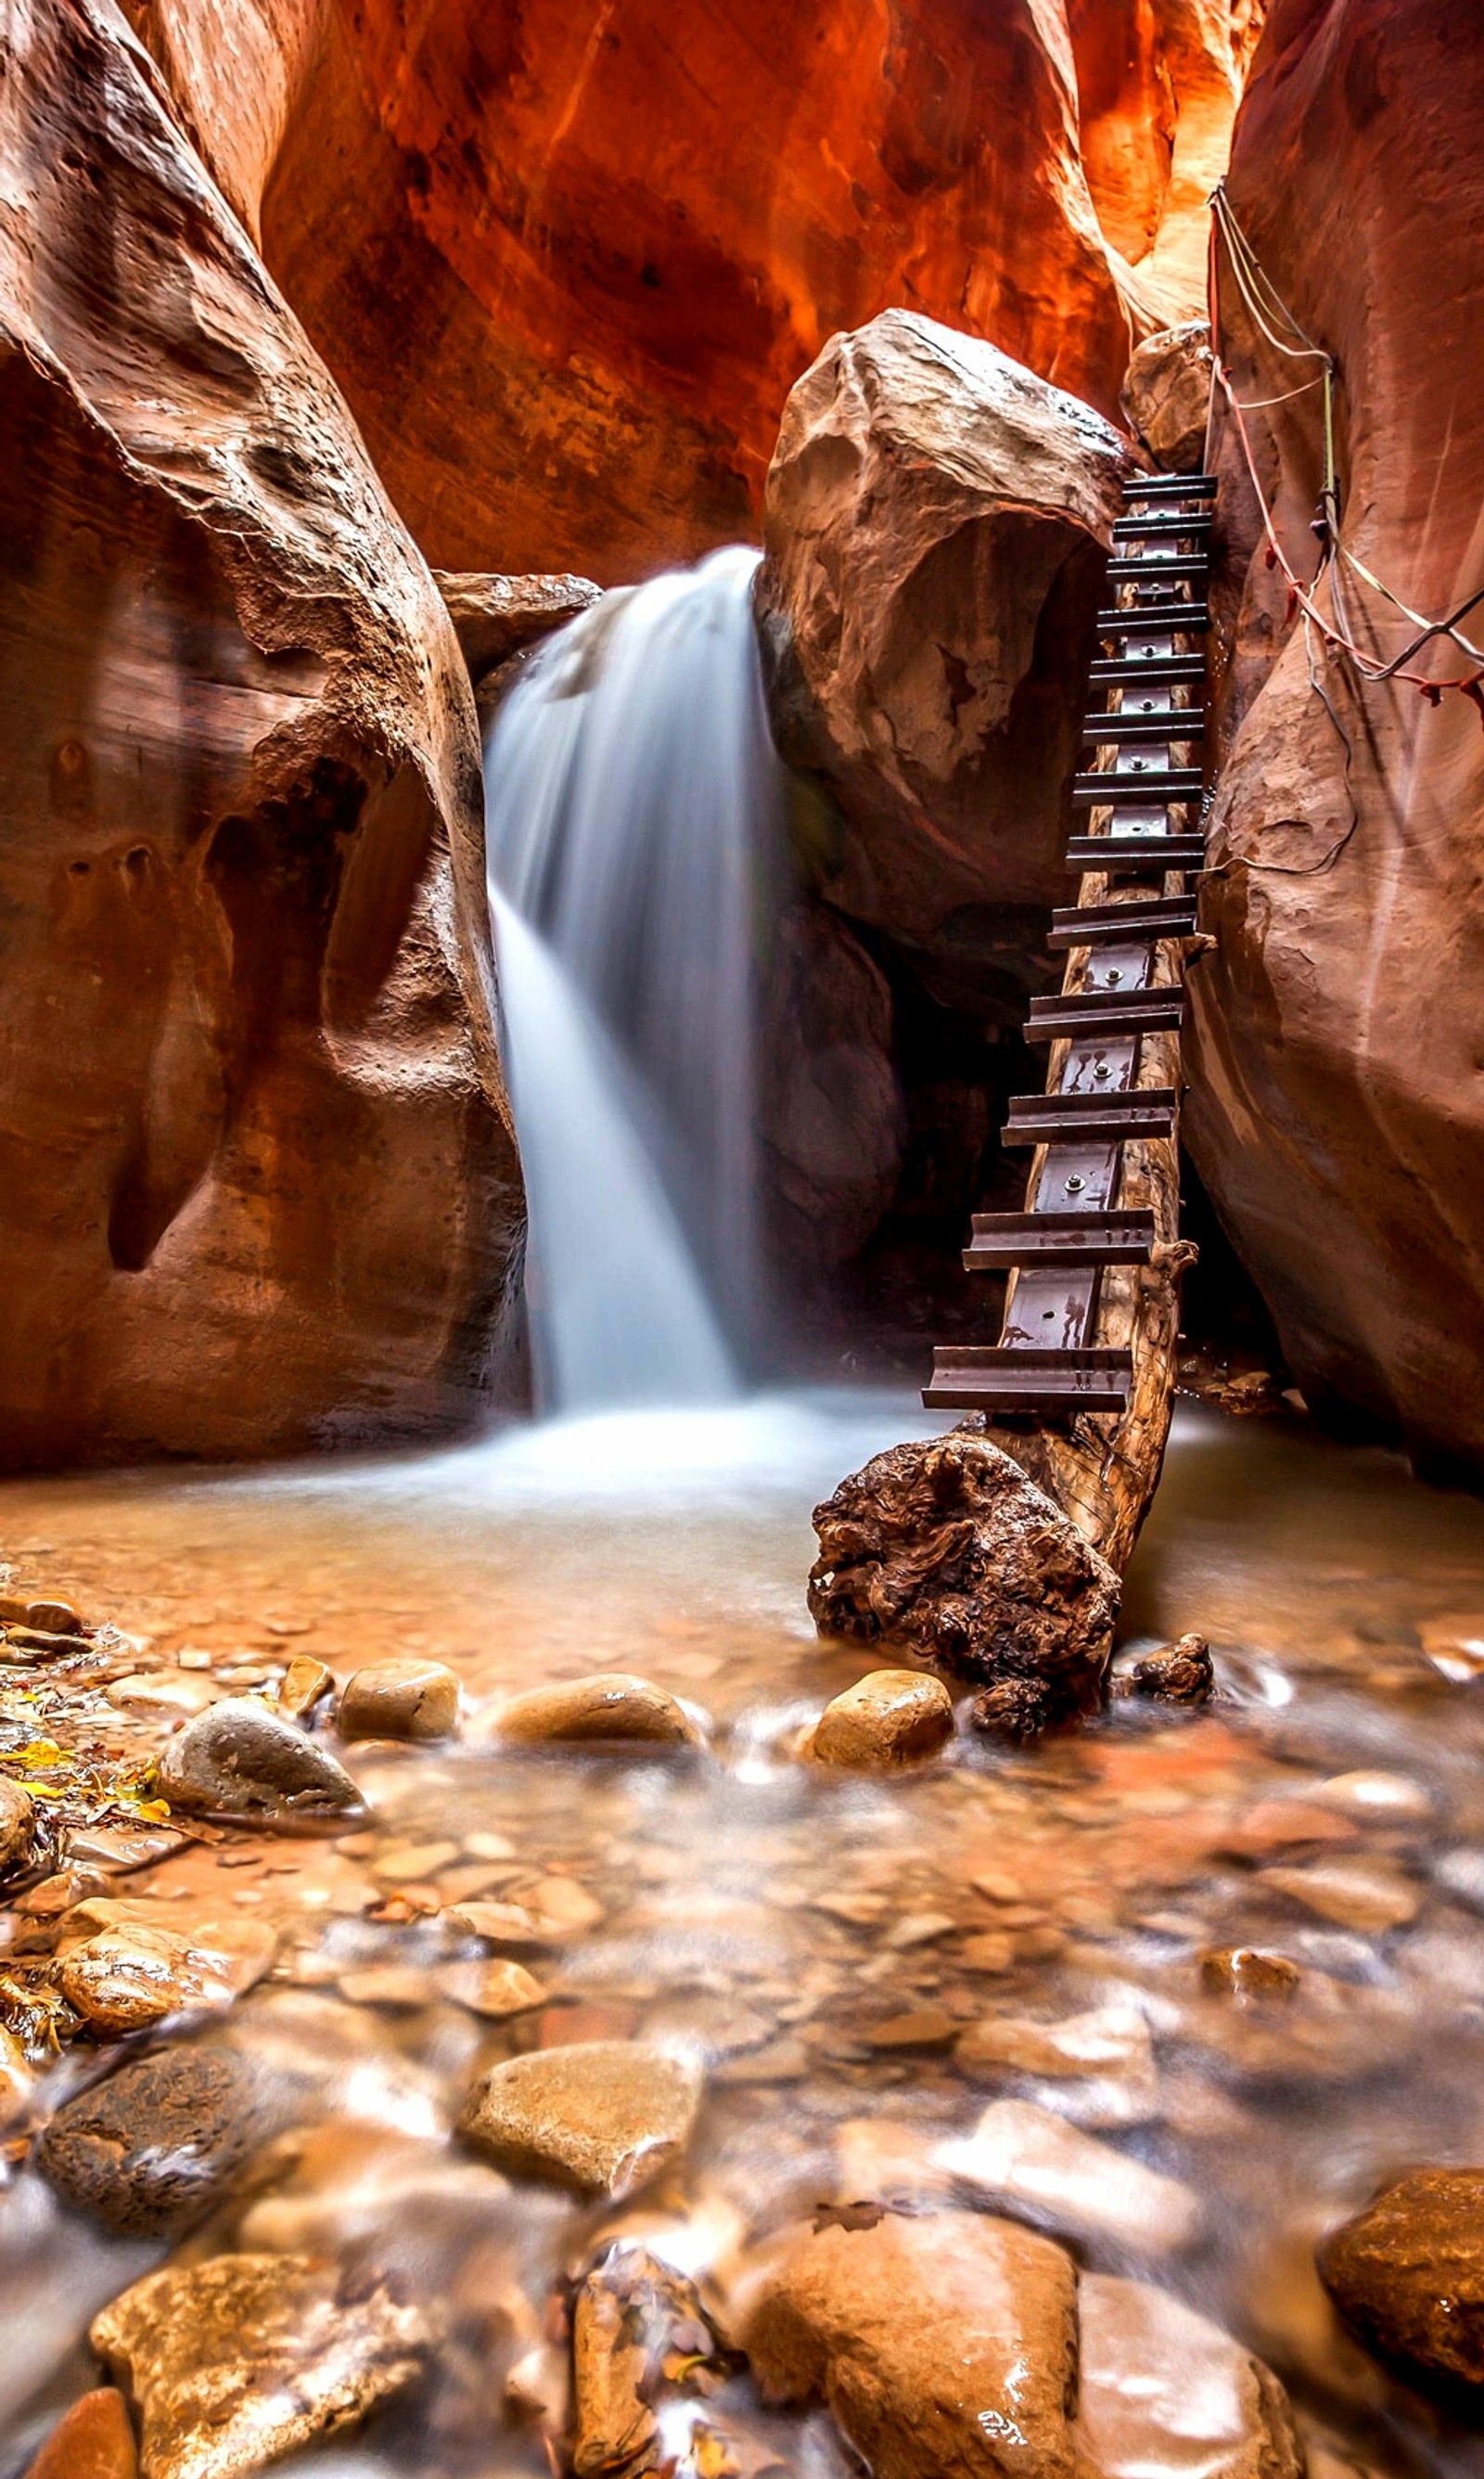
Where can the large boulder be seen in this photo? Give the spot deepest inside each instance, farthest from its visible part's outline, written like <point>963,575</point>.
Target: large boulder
<point>944,1544</point>
<point>567,271</point>
<point>1333,1046</point>
<point>935,527</point>
<point>1407,2275</point>
<point>261,1184</point>
<point>1167,396</point>
<point>832,1121</point>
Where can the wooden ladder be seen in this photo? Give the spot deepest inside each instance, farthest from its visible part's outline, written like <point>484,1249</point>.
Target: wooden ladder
<point>1107,1085</point>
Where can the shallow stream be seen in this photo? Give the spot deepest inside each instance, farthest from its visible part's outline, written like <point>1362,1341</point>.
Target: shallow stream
<point>822,1943</point>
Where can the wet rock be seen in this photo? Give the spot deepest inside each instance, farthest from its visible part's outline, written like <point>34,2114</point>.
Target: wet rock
<point>945,1544</point>
<point>91,2441</point>
<point>944,2346</point>
<point>54,1618</point>
<point>170,1694</point>
<point>1160,2389</point>
<point>892,1717</point>
<point>1375,1797</point>
<point>1167,393</point>
<point>1362,1894</point>
<point>153,2150</point>
<point>306,1684</point>
<point>493,1990</point>
<point>600,2116</point>
<point>640,2338</point>
<point>124,1973</point>
<point>609,1706</point>
<point>400,1699</point>
<point>1017,1709</point>
<point>17,1825</point>
<point>1181,1674</point>
<point>1024,2155</point>
<point>1114,2040</point>
<point>241,1759</point>
<point>232,2364</point>
<point>1245,1971</point>
<point>1407,2276</point>
<point>118,1850</point>
<point>1277,1824</point>
<point>925,2027</point>
<point>495,617</point>
<point>28,1645</point>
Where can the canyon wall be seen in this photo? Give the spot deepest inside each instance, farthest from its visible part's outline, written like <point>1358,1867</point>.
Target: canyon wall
<point>568,264</point>
<point>261,1189</point>
<point>1338,1111</point>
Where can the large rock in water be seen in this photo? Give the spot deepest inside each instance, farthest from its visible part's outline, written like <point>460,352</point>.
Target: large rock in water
<point>568,269</point>
<point>936,527</point>
<point>1337,1110</point>
<point>260,1184</point>
<point>946,1546</point>
<point>241,1758</point>
<point>1407,2275</point>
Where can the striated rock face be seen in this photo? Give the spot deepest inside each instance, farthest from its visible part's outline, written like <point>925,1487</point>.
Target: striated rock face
<point>261,1187</point>
<point>1337,1115</point>
<point>936,529</point>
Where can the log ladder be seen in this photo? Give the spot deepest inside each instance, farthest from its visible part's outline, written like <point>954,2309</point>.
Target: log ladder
<point>1103,1189</point>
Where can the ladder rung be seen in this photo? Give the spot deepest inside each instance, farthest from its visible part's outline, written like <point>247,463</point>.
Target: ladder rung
<point>1131,787</point>
<point>1166,723</point>
<point>1141,853</point>
<point>1161,529</point>
<point>1101,1237</point>
<point>1148,670</point>
<point>1157,570</point>
<point>1108,1119</point>
<point>1104,925</point>
<point>992,1377</point>
<point>1171,486</point>
<point>1190,619</point>
<point>1105,1011</point>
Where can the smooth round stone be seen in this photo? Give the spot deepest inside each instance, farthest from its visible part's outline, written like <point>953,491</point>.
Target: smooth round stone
<point>893,1717</point>
<point>400,1699</point>
<point>1387,1798</point>
<point>612,1705</point>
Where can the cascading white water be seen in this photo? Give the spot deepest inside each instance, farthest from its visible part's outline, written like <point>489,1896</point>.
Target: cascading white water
<point>633,801</point>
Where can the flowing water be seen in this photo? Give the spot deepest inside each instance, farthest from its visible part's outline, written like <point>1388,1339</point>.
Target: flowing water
<point>823,1944</point>
<point>633,825</point>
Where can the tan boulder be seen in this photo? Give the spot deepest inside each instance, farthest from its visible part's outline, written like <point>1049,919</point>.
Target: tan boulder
<point>1162,2390</point>
<point>946,1545</point>
<point>944,2345</point>
<point>249,1035</point>
<point>1167,394</point>
<point>399,1700</point>
<point>601,2116</point>
<point>889,1718</point>
<point>936,525</point>
<point>234,2362</point>
<point>612,1705</point>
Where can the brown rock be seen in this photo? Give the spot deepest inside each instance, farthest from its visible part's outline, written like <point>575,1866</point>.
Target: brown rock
<point>1180,1674</point>
<point>639,2334</point>
<point>831,1117</point>
<point>54,1618</point>
<point>151,2150</point>
<point>1407,2275</point>
<point>1167,394</point>
<point>124,1971</point>
<point>1365,1894</point>
<point>944,2346</point>
<point>1162,2390</point>
<point>1019,2154</point>
<point>241,1758</point>
<point>231,2363</point>
<point>400,1699</point>
<point>305,1684</point>
<point>495,1989</point>
<point>1114,2040</point>
<point>495,617</point>
<point>609,1706</point>
<point>243,874</point>
<point>936,525</point>
<point>925,2027</point>
<point>17,1825</point>
<point>1343,1003</point>
<point>1244,1971</point>
<point>91,2441</point>
<point>944,1544</point>
<point>890,1717</point>
<point>600,2116</point>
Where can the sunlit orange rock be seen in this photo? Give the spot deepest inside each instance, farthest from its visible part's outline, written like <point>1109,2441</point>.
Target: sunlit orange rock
<point>259,1183</point>
<point>1338,1110</point>
<point>567,265</point>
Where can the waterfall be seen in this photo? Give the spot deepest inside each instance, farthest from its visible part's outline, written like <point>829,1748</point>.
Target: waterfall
<point>633,802</point>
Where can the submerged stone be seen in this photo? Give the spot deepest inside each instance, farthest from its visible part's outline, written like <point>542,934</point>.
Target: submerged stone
<point>242,1759</point>
<point>232,2364</point>
<point>151,2151</point>
<point>945,1544</point>
<point>600,2116</point>
<point>610,1706</point>
<point>1160,2389</point>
